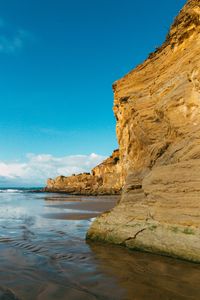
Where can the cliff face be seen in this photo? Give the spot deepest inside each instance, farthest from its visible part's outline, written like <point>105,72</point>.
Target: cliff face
<point>157,107</point>
<point>104,179</point>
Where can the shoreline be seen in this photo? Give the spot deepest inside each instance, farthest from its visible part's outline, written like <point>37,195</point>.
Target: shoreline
<point>80,207</point>
<point>89,194</point>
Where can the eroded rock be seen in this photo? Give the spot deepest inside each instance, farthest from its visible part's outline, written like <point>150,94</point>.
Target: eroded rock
<point>104,179</point>
<point>157,107</point>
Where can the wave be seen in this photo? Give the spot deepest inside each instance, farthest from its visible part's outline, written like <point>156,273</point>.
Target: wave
<point>11,191</point>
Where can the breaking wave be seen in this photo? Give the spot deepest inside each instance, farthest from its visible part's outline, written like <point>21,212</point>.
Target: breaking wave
<point>11,191</point>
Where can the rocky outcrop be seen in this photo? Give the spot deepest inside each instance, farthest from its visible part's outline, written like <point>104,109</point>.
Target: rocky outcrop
<point>157,107</point>
<point>104,179</point>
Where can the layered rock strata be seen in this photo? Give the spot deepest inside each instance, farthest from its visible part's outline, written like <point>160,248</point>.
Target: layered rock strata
<point>157,108</point>
<point>103,179</point>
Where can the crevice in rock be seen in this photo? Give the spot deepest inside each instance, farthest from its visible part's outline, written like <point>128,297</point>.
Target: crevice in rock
<point>134,237</point>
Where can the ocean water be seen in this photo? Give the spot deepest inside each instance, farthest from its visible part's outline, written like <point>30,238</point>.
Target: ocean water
<point>44,255</point>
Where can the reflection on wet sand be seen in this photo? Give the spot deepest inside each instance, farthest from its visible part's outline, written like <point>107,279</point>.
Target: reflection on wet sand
<point>146,276</point>
<point>71,216</point>
<point>44,256</point>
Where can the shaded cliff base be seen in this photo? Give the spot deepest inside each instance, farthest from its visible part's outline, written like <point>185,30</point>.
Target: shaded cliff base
<point>146,234</point>
<point>104,179</point>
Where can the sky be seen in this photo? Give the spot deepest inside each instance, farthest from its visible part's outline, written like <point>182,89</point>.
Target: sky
<point>58,61</point>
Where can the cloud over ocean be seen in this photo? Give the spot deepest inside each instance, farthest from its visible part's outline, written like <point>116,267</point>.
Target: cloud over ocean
<point>35,169</point>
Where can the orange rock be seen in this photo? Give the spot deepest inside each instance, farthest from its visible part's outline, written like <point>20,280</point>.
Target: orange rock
<point>157,107</point>
<point>104,179</point>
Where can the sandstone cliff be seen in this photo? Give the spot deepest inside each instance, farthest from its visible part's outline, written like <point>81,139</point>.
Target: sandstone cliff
<point>157,107</point>
<point>104,179</point>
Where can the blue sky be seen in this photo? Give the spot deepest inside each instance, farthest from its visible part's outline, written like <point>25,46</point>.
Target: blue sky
<point>58,62</point>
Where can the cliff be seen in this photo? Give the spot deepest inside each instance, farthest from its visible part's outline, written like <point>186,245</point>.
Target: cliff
<point>104,179</point>
<point>157,108</point>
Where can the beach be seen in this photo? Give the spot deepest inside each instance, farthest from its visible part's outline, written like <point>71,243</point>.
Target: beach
<point>44,255</point>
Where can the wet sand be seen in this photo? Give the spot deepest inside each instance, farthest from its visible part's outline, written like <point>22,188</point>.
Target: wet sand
<point>44,256</point>
<point>71,216</point>
<point>83,207</point>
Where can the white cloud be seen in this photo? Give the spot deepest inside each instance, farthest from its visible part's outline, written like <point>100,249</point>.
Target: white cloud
<point>37,168</point>
<point>12,40</point>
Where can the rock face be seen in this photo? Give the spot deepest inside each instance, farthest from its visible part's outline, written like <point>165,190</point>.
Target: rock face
<point>157,107</point>
<point>104,179</point>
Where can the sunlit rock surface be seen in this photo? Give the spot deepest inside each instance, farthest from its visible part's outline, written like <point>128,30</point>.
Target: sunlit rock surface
<point>157,107</point>
<point>104,179</point>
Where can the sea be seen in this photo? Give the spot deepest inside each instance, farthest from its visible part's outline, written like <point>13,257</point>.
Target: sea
<point>44,255</point>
